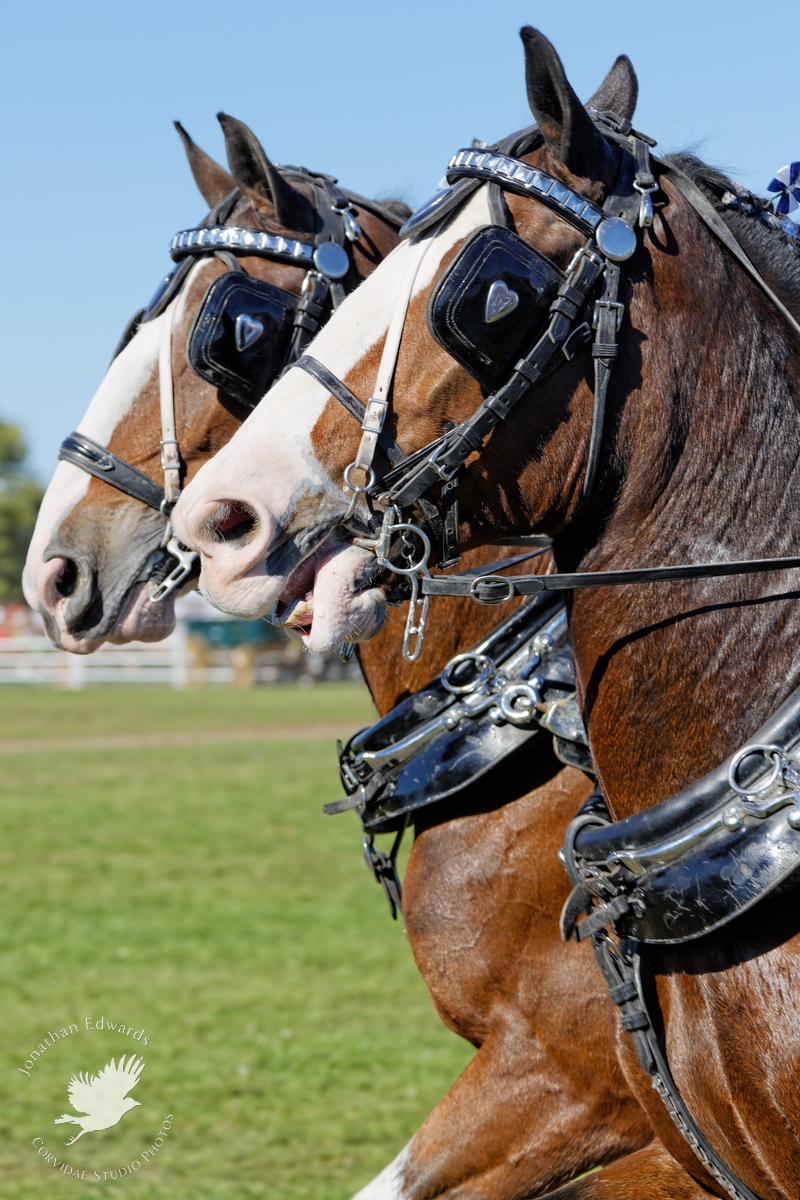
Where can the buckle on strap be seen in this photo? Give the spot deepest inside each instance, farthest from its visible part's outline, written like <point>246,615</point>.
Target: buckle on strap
<point>491,589</point>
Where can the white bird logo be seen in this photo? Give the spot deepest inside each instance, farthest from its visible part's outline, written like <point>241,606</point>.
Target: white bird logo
<point>103,1098</point>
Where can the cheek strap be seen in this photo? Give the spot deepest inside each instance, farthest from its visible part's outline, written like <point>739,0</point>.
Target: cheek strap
<point>170,455</point>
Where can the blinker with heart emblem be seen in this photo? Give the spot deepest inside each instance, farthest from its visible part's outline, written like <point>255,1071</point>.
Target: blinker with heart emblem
<point>246,331</point>
<point>500,302</point>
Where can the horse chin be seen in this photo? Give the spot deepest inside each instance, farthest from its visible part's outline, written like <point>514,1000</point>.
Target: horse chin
<point>141,621</point>
<point>330,604</point>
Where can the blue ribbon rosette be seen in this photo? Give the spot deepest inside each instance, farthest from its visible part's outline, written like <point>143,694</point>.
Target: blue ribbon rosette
<point>787,184</point>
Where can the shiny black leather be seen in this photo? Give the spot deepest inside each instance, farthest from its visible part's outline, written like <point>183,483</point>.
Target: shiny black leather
<point>211,347</point>
<point>699,800</point>
<point>390,793</point>
<point>457,307</point>
<point>676,896</point>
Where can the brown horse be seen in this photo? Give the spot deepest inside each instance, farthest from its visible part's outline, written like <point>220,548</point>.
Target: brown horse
<point>543,1099</point>
<point>92,554</point>
<point>700,462</point>
<point>482,888</point>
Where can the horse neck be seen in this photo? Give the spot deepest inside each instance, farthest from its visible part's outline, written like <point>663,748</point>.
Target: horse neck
<point>676,676</point>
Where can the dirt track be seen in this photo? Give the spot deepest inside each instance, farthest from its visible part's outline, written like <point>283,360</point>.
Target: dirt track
<point>134,741</point>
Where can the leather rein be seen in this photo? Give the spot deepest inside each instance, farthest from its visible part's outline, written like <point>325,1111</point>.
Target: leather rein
<point>612,233</point>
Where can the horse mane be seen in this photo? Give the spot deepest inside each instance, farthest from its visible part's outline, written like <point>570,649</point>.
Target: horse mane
<point>398,208</point>
<point>771,242</point>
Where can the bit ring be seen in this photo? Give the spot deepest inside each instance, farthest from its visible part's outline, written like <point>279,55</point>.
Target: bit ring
<point>354,487</point>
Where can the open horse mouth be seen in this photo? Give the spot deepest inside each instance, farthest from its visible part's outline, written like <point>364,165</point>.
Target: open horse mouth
<point>334,595</point>
<point>295,607</point>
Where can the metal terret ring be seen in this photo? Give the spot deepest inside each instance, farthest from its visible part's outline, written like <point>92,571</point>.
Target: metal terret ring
<point>776,753</point>
<point>483,665</point>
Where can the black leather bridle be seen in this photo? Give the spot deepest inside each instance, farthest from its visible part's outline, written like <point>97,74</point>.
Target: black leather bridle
<point>586,308</point>
<point>327,261</point>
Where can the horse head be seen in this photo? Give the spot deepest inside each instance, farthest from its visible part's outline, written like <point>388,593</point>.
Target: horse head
<point>297,548</point>
<point>646,417</point>
<point>98,554</point>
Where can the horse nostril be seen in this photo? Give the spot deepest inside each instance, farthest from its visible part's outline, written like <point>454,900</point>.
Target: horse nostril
<point>67,581</point>
<point>231,521</point>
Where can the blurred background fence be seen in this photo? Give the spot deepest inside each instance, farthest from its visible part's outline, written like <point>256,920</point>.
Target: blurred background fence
<point>206,648</point>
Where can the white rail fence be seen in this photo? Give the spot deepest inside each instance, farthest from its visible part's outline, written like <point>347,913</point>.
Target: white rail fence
<point>35,660</point>
<point>194,655</point>
<point>181,660</point>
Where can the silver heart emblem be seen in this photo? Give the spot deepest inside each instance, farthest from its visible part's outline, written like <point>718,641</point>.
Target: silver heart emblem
<point>247,331</point>
<point>500,302</point>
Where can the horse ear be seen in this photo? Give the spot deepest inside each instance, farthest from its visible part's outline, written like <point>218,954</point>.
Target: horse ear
<point>619,91</point>
<point>566,126</point>
<point>261,181</point>
<point>213,181</point>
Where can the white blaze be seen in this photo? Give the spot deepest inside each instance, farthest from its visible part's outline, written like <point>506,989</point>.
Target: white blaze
<point>270,464</point>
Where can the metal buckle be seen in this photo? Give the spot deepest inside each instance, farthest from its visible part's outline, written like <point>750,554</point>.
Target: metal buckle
<point>491,589</point>
<point>585,252</point>
<point>608,304</point>
<point>577,339</point>
<point>442,472</point>
<point>170,459</point>
<point>186,560</point>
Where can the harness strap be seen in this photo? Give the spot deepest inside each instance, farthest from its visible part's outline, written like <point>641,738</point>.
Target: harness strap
<point>94,459</point>
<point>170,455</point>
<point>621,969</point>
<point>604,351</point>
<point>448,454</point>
<point>378,404</point>
<point>349,400</point>
<point>384,868</point>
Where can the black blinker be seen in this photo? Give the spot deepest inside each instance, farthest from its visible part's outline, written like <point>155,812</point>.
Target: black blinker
<point>494,275</point>
<point>241,334</point>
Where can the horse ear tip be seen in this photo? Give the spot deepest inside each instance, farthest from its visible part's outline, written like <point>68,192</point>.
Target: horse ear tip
<point>532,36</point>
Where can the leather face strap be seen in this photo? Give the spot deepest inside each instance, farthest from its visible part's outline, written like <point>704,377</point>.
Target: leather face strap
<point>349,400</point>
<point>90,456</point>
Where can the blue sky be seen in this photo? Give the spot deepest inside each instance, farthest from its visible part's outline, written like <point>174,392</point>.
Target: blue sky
<point>379,94</point>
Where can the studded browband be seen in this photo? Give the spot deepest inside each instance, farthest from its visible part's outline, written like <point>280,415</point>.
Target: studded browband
<point>516,176</point>
<point>244,241</point>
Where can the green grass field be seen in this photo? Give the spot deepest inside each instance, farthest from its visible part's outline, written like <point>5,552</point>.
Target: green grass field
<point>198,894</point>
